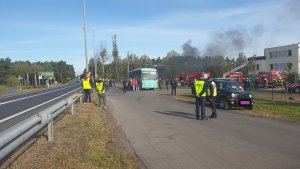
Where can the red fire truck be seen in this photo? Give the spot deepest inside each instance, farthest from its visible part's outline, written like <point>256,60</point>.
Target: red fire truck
<point>187,78</point>
<point>271,78</point>
<point>237,76</point>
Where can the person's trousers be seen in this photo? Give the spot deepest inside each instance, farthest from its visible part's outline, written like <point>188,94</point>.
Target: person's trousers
<point>213,106</point>
<point>173,92</point>
<point>102,99</point>
<point>124,89</point>
<point>200,101</point>
<point>87,95</point>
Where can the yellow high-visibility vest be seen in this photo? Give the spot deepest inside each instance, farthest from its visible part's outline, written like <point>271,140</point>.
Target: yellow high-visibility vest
<point>86,84</point>
<point>100,87</point>
<point>199,85</point>
<point>214,89</point>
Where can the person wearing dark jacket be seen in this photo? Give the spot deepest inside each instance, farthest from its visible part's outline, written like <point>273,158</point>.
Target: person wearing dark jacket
<point>173,86</point>
<point>125,83</point>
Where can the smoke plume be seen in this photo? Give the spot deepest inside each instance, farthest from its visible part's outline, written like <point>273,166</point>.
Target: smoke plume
<point>189,50</point>
<point>292,10</point>
<point>226,42</point>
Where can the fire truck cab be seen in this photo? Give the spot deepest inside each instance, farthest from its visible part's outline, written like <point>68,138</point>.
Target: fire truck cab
<point>237,76</point>
<point>186,79</point>
<point>271,78</point>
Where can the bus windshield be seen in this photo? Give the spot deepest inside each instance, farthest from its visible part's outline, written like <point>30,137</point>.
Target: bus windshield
<point>150,75</point>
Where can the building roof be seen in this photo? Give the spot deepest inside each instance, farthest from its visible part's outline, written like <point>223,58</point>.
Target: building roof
<point>258,58</point>
<point>298,44</point>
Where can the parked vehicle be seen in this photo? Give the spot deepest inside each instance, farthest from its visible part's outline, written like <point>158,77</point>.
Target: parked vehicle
<point>271,78</point>
<point>187,79</point>
<point>237,76</point>
<point>295,87</point>
<point>148,76</point>
<point>232,94</point>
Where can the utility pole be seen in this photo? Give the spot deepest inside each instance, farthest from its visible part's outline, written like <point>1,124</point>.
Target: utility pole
<point>84,29</point>
<point>128,65</point>
<point>95,58</point>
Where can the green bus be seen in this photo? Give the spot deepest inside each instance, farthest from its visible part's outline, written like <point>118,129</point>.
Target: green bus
<point>147,75</point>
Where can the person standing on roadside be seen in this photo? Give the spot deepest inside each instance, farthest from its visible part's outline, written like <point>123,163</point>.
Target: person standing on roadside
<point>133,82</point>
<point>100,87</point>
<point>200,93</point>
<point>139,84</point>
<point>159,83</point>
<point>167,84</point>
<point>125,83</point>
<point>212,94</point>
<point>87,88</point>
<point>173,86</point>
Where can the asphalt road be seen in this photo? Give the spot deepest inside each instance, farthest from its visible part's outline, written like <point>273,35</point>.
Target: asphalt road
<point>165,134</point>
<point>15,108</point>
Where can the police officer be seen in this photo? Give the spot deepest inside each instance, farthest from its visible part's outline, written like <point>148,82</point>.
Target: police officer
<point>100,87</point>
<point>173,86</point>
<point>200,93</point>
<point>212,94</point>
<point>87,87</point>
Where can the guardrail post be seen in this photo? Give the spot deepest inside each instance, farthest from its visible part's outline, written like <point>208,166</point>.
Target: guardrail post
<point>72,109</point>
<point>50,129</point>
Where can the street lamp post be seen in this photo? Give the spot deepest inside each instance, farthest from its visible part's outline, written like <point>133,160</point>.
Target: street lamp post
<point>85,45</point>
<point>95,58</point>
<point>128,64</point>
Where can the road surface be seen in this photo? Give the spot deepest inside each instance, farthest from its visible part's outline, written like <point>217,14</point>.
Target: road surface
<point>15,108</point>
<point>165,134</point>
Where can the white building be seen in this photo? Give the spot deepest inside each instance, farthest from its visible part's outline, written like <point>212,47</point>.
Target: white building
<point>277,58</point>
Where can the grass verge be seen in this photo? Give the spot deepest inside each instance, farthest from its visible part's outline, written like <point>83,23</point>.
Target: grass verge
<point>85,140</point>
<point>263,108</point>
<point>2,90</point>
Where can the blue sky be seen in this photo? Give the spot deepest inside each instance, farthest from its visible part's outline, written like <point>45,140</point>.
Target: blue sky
<point>45,30</point>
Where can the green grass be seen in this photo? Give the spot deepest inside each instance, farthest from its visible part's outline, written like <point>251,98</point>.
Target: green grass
<point>263,108</point>
<point>86,140</point>
<point>2,90</point>
<point>290,111</point>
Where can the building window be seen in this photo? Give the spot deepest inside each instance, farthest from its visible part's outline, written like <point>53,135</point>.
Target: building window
<point>257,67</point>
<point>289,52</point>
<point>271,66</point>
<point>271,55</point>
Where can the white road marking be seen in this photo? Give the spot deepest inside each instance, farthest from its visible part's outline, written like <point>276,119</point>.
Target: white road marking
<point>22,112</point>
<point>34,95</point>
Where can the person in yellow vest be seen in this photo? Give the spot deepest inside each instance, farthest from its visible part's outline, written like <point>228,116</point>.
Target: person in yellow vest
<point>200,93</point>
<point>212,94</point>
<point>100,87</point>
<point>87,88</point>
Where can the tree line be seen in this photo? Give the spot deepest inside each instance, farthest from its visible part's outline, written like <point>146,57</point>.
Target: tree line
<point>112,66</point>
<point>63,72</point>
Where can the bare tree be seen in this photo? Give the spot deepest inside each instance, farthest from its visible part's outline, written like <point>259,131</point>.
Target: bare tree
<point>103,57</point>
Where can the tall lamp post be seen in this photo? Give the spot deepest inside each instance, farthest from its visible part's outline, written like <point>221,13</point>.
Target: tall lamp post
<point>84,29</point>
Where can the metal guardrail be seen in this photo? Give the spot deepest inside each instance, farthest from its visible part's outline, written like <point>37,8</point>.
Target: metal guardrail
<point>16,135</point>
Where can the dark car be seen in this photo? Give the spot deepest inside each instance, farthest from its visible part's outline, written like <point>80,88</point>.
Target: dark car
<point>231,94</point>
<point>295,86</point>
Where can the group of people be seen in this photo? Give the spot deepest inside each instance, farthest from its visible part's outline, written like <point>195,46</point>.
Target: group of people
<point>101,85</point>
<point>202,90</point>
<point>173,84</point>
<point>131,84</point>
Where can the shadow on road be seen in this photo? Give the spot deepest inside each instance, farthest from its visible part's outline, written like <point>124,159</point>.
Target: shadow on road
<point>178,114</point>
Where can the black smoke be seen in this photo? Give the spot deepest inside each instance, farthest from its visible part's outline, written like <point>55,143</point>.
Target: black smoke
<point>189,50</point>
<point>224,42</point>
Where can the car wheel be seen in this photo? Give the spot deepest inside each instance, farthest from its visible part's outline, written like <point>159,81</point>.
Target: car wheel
<point>297,90</point>
<point>224,104</point>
